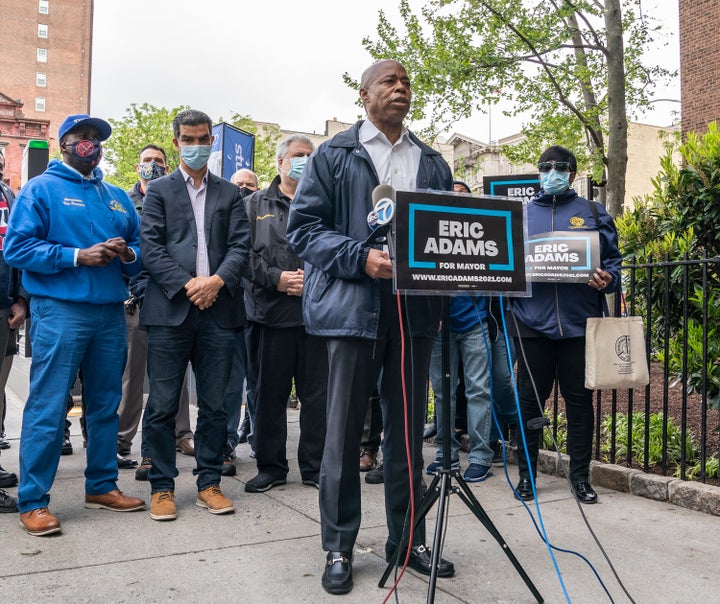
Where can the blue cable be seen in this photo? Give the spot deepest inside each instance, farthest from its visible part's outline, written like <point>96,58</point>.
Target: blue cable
<point>522,432</point>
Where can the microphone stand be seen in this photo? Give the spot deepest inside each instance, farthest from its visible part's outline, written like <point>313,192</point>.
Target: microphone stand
<point>441,487</point>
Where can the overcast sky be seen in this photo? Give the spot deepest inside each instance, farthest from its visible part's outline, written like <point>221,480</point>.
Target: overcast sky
<point>279,61</point>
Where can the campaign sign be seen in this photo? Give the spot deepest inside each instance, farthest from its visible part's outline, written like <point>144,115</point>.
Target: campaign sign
<point>231,150</point>
<point>517,186</point>
<point>565,256</point>
<point>459,243</point>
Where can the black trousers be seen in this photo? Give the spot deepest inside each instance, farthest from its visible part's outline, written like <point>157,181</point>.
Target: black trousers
<point>279,356</point>
<point>355,366</point>
<point>543,360</point>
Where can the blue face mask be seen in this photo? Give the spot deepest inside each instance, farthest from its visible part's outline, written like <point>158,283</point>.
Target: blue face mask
<point>195,156</point>
<point>554,182</point>
<point>151,171</point>
<point>297,165</point>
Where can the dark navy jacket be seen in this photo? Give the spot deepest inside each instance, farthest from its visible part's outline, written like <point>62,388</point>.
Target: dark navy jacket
<point>327,228</point>
<point>560,310</point>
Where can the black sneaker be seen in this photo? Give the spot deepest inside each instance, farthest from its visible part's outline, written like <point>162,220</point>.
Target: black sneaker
<point>436,465</point>
<point>375,476</point>
<point>143,469</point>
<point>8,504</point>
<point>7,479</point>
<point>263,482</point>
<point>4,442</point>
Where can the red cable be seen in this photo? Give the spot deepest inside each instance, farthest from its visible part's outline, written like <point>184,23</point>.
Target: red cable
<point>407,451</point>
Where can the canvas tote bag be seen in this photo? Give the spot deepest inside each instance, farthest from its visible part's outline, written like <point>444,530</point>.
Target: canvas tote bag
<point>615,353</point>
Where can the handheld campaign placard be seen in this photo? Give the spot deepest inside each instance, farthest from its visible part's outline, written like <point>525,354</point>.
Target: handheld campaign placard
<point>446,243</point>
<point>563,256</point>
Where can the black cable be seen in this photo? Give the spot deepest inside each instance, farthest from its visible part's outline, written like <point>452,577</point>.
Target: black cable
<point>567,476</point>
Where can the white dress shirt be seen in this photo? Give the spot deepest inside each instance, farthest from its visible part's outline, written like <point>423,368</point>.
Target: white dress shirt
<point>396,164</point>
<point>197,198</point>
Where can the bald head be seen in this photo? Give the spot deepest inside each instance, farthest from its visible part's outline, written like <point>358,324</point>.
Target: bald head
<point>245,178</point>
<point>371,73</point>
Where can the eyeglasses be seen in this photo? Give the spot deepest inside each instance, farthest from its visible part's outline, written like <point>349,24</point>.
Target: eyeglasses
<point>560,166</point>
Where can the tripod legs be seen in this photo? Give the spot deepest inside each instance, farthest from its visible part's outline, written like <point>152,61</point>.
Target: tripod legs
<point>440,492</point>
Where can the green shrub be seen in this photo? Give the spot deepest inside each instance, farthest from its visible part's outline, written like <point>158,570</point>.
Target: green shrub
<point>655,446</point>
<point>692,472</point>
<point>561,438</point>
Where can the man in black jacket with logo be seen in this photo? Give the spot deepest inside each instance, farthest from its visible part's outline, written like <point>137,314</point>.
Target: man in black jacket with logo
<point>278,347</point>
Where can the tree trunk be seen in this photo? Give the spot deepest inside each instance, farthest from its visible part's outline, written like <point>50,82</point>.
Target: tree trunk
<point>617,116</point>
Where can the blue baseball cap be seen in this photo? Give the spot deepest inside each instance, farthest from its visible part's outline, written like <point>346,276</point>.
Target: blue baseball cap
<point>82,119</point>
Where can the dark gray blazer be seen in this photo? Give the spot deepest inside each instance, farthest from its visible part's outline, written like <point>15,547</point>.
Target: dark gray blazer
<point>168,246</point>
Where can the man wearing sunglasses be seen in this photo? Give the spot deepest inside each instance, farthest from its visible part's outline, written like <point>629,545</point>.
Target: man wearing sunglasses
<point>551,323</point>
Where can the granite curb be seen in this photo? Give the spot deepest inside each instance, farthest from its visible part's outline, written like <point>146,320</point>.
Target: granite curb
<point>692,495</point>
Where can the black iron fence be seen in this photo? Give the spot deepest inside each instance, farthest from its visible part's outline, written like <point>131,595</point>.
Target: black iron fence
<point>671,426</point>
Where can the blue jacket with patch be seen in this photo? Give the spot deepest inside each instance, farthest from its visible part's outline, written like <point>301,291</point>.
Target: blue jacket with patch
<point>327,228</point>
<point>560,310</point>
<point>56,213</point>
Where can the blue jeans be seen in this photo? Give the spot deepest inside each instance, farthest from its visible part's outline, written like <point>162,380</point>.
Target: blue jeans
<point>209,347</point>
<point>235,391</point>
<point>470,347</point>
<point>503,392</point>
<point>67,336</point>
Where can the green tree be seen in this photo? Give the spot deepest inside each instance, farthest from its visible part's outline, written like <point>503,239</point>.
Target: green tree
<point>141,125</point>
<point>146,123</point>
<point>573,65</point>
<point>680,220</point>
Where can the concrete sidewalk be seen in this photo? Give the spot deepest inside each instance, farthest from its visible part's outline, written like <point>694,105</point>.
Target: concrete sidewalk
<point>269,550</point>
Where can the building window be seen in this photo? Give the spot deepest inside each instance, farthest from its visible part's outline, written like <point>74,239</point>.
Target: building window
<point>39,103</point>
<point>42,30</point>
<point>40,80</point>
<point>43,7</point>
<point>42,55</point>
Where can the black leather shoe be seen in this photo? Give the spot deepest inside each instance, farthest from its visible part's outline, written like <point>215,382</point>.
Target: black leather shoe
<point>584,492</point>
<point>8,504</point>
<point>67,448</point>
<point>524,490</point>
<point>337,578</point>
<point>7,479</point>
<point>125,463</point>
<point>420,558</point>
<point>228,468</point>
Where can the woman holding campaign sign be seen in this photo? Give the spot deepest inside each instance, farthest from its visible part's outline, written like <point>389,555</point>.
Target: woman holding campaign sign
<point>567,288</point>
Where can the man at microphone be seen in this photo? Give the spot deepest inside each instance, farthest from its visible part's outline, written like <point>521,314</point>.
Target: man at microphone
<point>348,300</point>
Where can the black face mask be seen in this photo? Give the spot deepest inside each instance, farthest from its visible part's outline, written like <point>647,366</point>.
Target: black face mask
<point>83,155</point>
<point>244,192</point>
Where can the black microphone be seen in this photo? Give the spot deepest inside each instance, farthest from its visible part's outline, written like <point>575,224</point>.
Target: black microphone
<point>380,218</point>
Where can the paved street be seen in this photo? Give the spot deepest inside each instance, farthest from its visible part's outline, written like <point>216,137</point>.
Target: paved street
<point>269,550</point>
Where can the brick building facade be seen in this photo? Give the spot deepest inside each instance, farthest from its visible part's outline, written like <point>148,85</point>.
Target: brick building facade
<point>46,59</point>
<point>699,63</point>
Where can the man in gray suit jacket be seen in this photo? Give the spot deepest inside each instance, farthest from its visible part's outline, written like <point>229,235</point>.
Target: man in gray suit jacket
<point>194,242</point>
